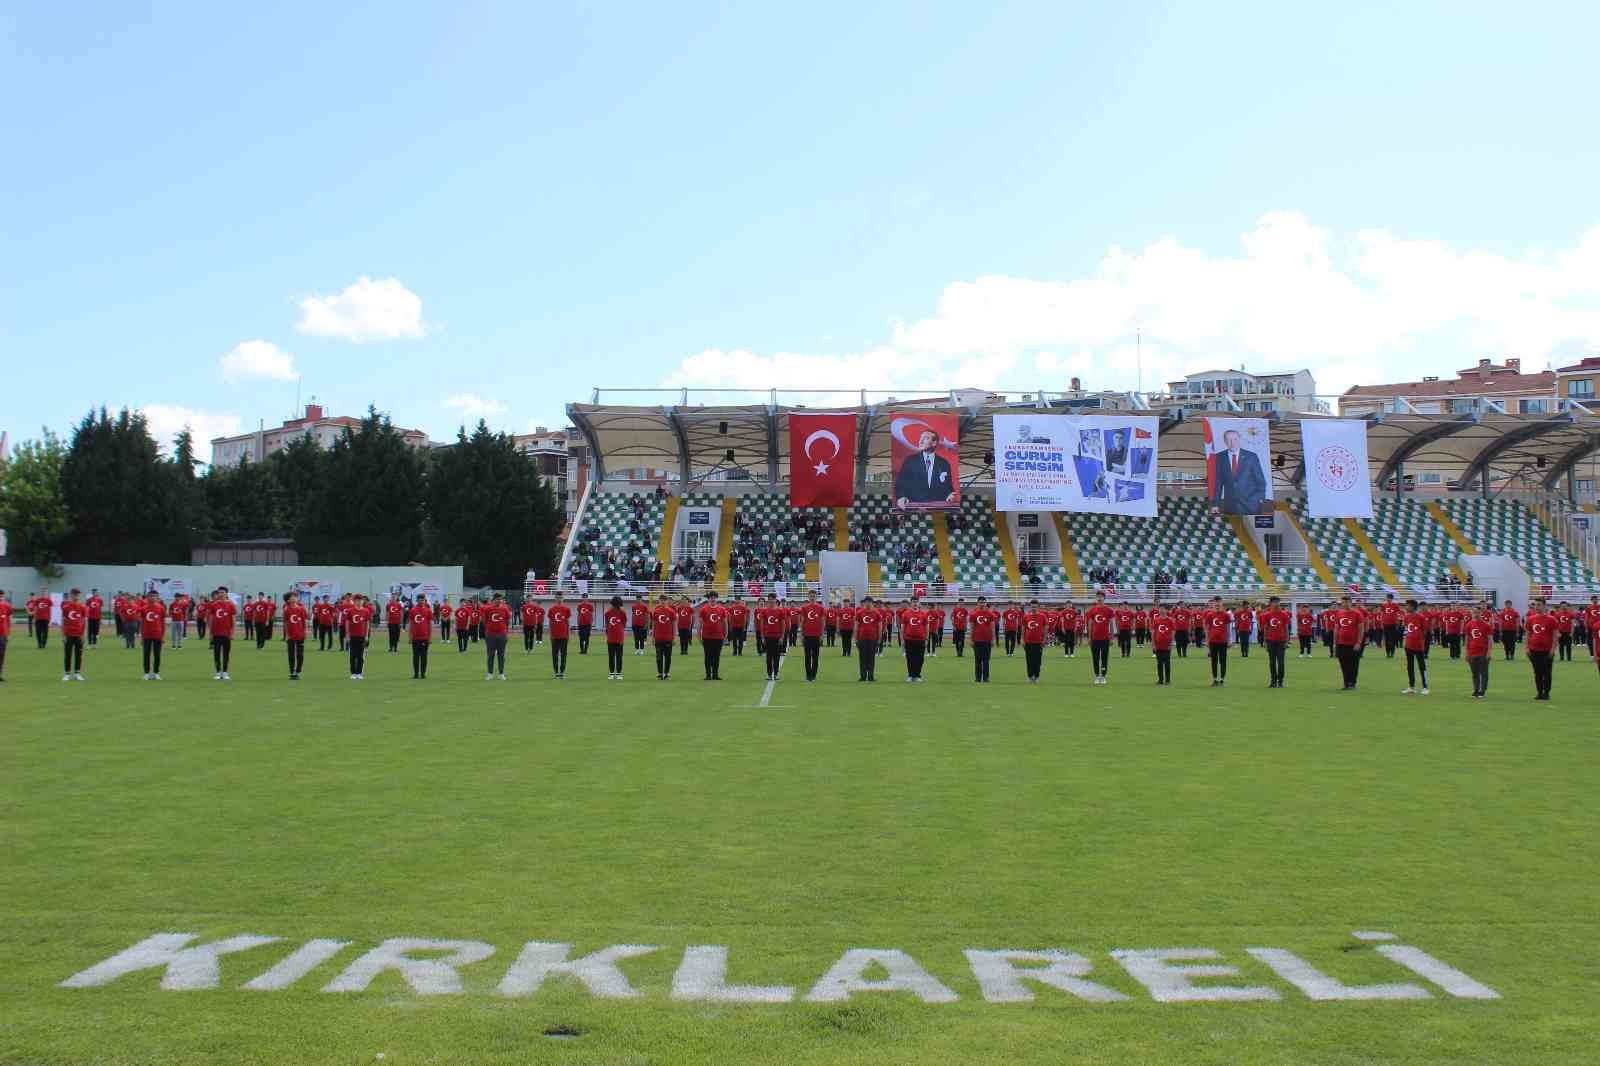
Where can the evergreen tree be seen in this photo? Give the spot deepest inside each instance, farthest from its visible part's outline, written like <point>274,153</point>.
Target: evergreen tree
<point>119,494</point>
<point>489,510</point>
<point>241,502</point>
<point>366,508</point>
<point>33,511</point>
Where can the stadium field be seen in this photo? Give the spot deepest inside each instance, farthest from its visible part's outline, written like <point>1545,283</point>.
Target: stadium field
<point>930,820</point>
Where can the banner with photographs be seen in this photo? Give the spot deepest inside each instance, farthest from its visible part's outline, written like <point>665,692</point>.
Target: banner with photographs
<point>1104,463</point>
<point>1238,461</point>
<point>924,452</point>
<point>311,590</point>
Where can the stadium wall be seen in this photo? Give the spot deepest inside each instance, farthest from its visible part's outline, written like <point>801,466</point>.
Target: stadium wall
<point>19,581</point>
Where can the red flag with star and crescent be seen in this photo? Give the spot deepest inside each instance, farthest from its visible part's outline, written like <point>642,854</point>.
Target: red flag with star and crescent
<point>822,460</point>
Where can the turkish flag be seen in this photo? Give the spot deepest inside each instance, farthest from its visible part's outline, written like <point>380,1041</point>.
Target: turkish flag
<point>822,460</point>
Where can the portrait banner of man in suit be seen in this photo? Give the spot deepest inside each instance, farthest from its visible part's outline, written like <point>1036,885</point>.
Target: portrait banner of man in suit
<point>924,451</point>
<point>1238,458</point>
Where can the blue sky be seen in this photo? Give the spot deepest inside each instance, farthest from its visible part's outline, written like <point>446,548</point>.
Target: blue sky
<point>549,199</point>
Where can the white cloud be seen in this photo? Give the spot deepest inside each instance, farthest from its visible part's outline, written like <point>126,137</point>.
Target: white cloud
<point>167,420</point>
<point>472,406</point>
<point>257,359</point>
<point>366,311</point>
<point>1387,309</point>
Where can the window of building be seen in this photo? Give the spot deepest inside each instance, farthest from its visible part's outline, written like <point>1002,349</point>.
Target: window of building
<point>1462,407</point>
<point>1432,479</point>
<point>1581,389</point>
<point>1535,407</point>
<point>1585,486</point>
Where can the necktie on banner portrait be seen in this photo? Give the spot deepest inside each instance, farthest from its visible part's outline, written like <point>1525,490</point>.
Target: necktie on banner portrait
<point>1238,456</point>
<point>1104,463</point>
<point>822,460</point>
<point>1337,485</point>
<point>924,453</point>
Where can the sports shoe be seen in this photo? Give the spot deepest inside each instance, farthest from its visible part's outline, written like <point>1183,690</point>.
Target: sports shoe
<point>226,676</point>
<point>1407,691</point>
<point>153,677</point>
<point>68,677</point>
<point>1424,691</point>
<point>502,677</point>
<point>488,677</point>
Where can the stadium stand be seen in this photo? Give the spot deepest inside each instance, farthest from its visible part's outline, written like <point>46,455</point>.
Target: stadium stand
<point>975,545</point>
<point>902,544</point>
<point>773,540</point>
<point>1338,549</point>
<point>1507,527</point>
<point>1418,549</point>
<point>618,537</point>
<point>1184,535</point>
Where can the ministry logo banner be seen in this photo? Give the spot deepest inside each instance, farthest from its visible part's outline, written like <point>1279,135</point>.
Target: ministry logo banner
<point>1100,463</point>
<point>1337,485</point>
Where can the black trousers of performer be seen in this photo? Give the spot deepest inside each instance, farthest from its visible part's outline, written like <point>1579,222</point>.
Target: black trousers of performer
<point>915,650</point>
<point>980,660</point>
<point>494,653</point>
<point>1416,663</point>
<point>1276,654</point>
<point>1164,666</point>
<point>130,635</point>
<point>296,650</point>
<point>249,628</point>
<point>1509,643</point>
<point>958,638</point>
<point>477,632</point>
<point>813,650</point>
<point>41,632</point>
<point>558,656</point>
<point>772,648</point>
<point>1011,641</point>
<point>1305,644</point>
<point>736,637</point>
<point>1327,642</point>
<point>1543,667</point>
<point>663,658</point>
<point>358,654</point>
<point>639,635</point>
<point>394,639</point>
<point>845,636</point>
<point>1069,643</point>
<point>538,632</point>
<point>221,652</point>
<point>444,627</point>
<point>1479,665</point>
<point>527,639</point>
<point>1564,647</point>
<point>1033,655</point>
<point>867,658</point>
<point>263,634</point>
<point>1349,657</point>
<point>152,655</point>
<point>200,627</point>
<point>830,634</point>
<point>794,636</point>
<point>613,658</point>
<point>684,636</point>
<point>463,635</point>
<point>1181,639</point>
<point>3,642</point>
<point>1099,656</point>
<point>344,638</point>
<point>1453,642</point>
<point>1125,644</point>
<point>94,632</point>
<point>1244,645</point>
<point>1219,661</point>
<point>712,649</point>
<point>72,655</point>
<point>324,636</point>
<point>1139,636</point>
<point>419,658</point>
<point>1391,640</point>
<point>583,639</point>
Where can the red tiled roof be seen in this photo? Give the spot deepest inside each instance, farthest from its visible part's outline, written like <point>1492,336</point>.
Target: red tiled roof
<point>1591,362</point>
<point>1470,383</point>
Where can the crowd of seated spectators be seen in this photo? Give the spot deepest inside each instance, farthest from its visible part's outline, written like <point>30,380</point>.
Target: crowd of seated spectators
<point>767,550</point>
<point>633,562</point>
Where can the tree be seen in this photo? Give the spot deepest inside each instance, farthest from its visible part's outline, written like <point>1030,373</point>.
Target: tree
<point>241,502</point>
<point>190,514</point>
<point>366,508</point>
<point>489,510</point>
<point>120,494</point>
<point>33,511</point>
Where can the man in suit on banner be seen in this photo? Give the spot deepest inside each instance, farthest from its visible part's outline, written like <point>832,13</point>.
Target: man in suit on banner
<point>1238,484</point>
<point>925,477</point>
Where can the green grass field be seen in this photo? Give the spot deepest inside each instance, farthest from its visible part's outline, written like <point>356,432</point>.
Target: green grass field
<point>930,819</point>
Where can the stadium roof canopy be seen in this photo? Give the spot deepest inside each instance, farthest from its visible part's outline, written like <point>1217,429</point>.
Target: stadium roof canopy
<point>693,440</point>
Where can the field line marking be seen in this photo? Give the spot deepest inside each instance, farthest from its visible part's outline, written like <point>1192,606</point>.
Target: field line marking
<point>766,693</point>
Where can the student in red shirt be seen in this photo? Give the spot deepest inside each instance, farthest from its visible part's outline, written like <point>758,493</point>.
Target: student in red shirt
<point>771,623</point>
<point>983,620</point>
<point>526,616</point>
<point>615,621</point>
<point>1035,625</point>
<point>1392,619</point>
<point>5,631</point>
<point>739,624</point>
<point>1275,623</point>
<point>867,622</point>
<point>813,620</point>
<point>713,631</point>
<point>585,622</point>
<point>914,637</point>
<point>152,633</point>
<point>223,612</point>
<point>358,630</point>
<point>1244,618</point>
<point>96,608</point>
<point>830,624</point>
<point>1141,627</point>
<point>132,615</point>
<point>639,620</point>
<point>1414,638</point>
<point>394,616</point>
<point>1098,620</point>
<point>463,626</point>
<point>560,618</point>
<point>295,623</point>
<point>443,615</point>
<point>793,615</point>
<point>1305,627</point>
<point>1478,632</point>
<point>1541,627</point>
<point>1216,618</point>
<point>1067,622</point>
<point>39,617</point>
<point>1591,625</point>
<point>958,628</point>
<point>1124,617</point>
<point>663,623</point>
<point>496,633</point>
<point>1564,617</point>
<point>1349,637</point>
<point>421,631</point>
<point>1163,631</point>
<point>266,611</point>
<point>1011,625</point>
<point>322,621</point>
<point>1510,629</point>
<point>684,609</point>
<point>1182,620</point>
<point>74,625</point>
<point>202,617</point>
